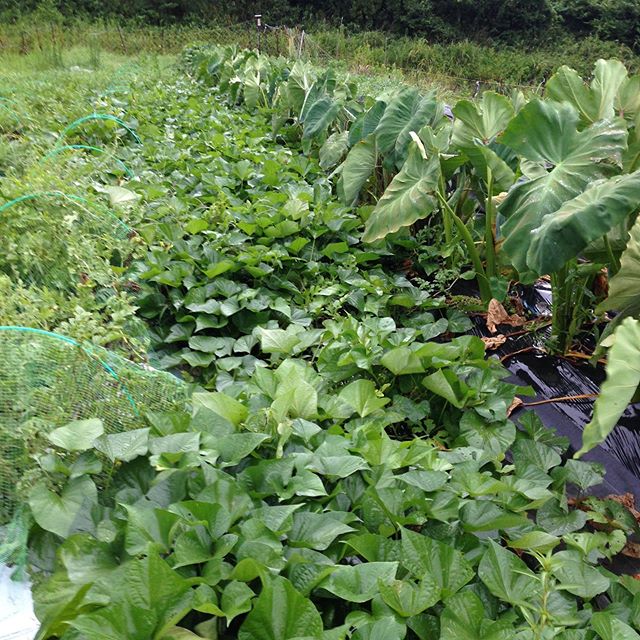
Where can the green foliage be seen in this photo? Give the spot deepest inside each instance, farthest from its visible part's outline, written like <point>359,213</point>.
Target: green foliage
<point>324,527</point>
<point>623,379</point>
<point>609,20</point>
<point>409,196</point>
<point>623,287</point>
<point>546,132</point>
<point>567,151</point>
<point>494,17</point>
<point>602,99</point>
<point>66,246</point>
<point>348,468</point>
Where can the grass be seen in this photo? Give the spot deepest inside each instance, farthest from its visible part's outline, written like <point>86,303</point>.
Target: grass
<point>455,69</point>
<point>36,87</point>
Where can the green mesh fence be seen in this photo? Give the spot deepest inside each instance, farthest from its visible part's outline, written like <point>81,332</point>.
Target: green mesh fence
<point>61,241</point>
<point>48,380</point>
<point>63,267</point>
<point>85,147</point>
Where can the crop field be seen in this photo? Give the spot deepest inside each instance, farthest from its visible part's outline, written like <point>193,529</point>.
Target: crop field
<point>255,320</point>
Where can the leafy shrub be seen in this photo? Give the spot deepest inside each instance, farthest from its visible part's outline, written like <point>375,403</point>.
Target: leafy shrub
<point>606,19</point>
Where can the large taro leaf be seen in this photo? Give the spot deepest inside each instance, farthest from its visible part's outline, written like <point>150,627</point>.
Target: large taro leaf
<point>407,112</point>
<point>596,102</point>
<point>481,121</point>
<point>320,116</point>
<point>624,287</point>
<point>546,132</point>
<point>334,149</point>
<point>251,88</point>
<point>409,197</point>
<point>327,82</point>
<point>357,168</point>
<point>298,85</point>
<point>627,103</point>
<point>485,159</point>
<point>366,123</point>
<point>475,127</point>
<point>631,157</point>
<point>623,378</point>
<point>566,232</point>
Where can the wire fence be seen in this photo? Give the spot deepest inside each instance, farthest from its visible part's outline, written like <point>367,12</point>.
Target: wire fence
<point>417,61</point>
<point>295,42</point>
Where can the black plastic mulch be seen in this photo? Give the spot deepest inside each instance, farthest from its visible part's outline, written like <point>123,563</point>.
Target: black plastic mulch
<point>556,377</point>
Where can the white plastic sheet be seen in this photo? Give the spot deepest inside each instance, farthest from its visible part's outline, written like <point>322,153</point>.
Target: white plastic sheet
<point>17,620</point>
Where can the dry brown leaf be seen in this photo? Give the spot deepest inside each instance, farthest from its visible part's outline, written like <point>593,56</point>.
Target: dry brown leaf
<point>627,500</point>
<point>499,198</point>
<point>631,550</point>
<point>497,314</point>
<point>601,284</point>
<point>493,342</point>
<point>514,405</point>
<point>517,305</point>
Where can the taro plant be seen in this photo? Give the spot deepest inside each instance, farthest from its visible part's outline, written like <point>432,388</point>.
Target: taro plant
<point>570,203</point>
<point>247,76</point>
<point>379,140</point>
<point>624,295</point>
<point>319,103</point>
<point>314,102</point>
<point>455,170</point>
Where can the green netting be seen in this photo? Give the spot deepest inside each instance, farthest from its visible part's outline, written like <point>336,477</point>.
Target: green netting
<point>48,380</point>
<point>62,268</point>
<point>99,116</point>
<point>61,241</point>
<point>85,147</point>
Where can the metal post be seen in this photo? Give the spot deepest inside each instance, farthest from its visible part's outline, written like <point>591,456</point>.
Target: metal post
<point>258,17</point>
<point>122,40</point>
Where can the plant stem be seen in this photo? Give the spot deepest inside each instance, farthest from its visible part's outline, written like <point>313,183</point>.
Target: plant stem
<point>465,234</point>
<point>559,302</point>
<point>614,263</point>
<point>448,230</point>
<point>489,221</point>
<point>577,311</point>
<point>544,613</point>
<point>568,291</point>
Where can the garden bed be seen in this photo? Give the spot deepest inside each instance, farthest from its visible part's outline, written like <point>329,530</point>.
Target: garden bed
<point>346,466</point>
